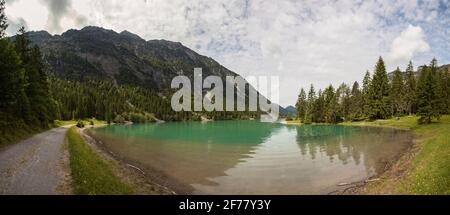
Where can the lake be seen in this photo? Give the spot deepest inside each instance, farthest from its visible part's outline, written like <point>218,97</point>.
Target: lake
<point>251,157</point>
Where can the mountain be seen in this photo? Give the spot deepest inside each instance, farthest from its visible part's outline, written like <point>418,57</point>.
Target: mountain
<point>124,58</point>
<point>291,109</point>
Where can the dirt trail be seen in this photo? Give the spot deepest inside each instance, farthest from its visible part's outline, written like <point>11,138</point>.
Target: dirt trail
<point>36,166</point>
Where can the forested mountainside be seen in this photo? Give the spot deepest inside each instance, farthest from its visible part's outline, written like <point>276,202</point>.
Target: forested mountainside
<point>124,60</point>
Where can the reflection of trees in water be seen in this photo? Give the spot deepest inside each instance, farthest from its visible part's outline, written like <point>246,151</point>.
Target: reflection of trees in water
<point>192,152</point>
<point>377,146</point>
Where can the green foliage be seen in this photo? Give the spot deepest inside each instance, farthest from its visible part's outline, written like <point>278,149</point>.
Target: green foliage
<point>410,89</point>
<point>90,173</point>
<point>397,94</point>
<point>427,99</point>
<point>301,105</point>
<point>80,124</point>
<point>365,94</point>
<point>26,100</point>
<point>379,98</point>
<point>119,119</point>
<point>356,102</point>
<point>379,102</point>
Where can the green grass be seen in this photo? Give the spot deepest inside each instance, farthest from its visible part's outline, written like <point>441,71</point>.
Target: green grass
<point>429,172</point>
<point>90,173</point>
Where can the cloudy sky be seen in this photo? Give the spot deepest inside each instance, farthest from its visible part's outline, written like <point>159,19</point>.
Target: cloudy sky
<point>301,41</point>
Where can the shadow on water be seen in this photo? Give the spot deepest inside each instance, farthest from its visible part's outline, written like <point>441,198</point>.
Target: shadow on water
<point>250,157</point>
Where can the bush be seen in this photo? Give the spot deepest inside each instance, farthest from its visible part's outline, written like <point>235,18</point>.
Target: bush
<point>137,118</point>
<point>91,122</point>
<point>80,124</point>
<point>119,119</point>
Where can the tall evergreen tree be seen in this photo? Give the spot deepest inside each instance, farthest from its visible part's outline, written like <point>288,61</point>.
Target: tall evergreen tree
<point>379,93</point>
<point>445,84</point>
<point>410,89</point>
<point>11,87</point>
<point>427,100</point>
<point>319,107</point>
<point>310,105</point>
<point>343,93</point>
<point>331,112</point>
<point>397,95</point>
<point>365,94</point>
<point>440,103</point>
<point>22,44</point>
<point>301,105</point>
<point>356,101</point>
<point>38,89</point>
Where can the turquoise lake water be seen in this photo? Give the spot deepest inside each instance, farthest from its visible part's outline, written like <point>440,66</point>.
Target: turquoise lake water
<point>251,157</point>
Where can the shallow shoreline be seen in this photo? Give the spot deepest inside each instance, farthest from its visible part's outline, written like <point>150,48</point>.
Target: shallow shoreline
<point>147,180</point>
<point>397,169</point>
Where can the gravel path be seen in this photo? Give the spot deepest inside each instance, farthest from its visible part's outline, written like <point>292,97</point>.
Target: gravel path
<point>36,166</point>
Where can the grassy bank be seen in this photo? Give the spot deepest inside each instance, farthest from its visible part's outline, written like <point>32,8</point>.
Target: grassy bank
<point>14,133</point>
<point>428,172</point>
<point>90,173</point>
<point>11,135</point>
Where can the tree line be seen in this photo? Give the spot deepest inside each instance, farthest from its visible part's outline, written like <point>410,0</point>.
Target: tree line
<point>426,95</point>
<point>25,95</point>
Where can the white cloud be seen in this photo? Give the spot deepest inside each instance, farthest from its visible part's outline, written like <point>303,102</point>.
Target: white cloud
<point>302,41</point>
<point>411,41</point>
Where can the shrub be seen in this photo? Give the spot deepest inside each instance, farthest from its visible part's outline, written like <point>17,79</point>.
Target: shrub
<point>119,119</point>
<point>80,124</point>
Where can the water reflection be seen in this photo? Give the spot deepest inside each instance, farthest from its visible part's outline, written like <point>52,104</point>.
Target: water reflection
<point>248,157</point>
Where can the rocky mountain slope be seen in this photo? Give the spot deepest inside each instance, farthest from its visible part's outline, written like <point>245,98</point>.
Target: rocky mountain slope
<point>124,58</point>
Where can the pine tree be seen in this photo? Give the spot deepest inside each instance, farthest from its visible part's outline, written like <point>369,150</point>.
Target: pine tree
<point>365,94</point>
<point>331,112</point>
<point>38,89</point>
<point>356,101</point>
<point>397,95</point>
<point>343,94</point>
<point>310,104</point>
<point>440,103</point>
<point>319,107</point>
<point>22,44</point>
<point>445,83</point>
<point>379,93</point>
<point>3,19</point>
<point>410,89</point>
<point>426,96</point>
<point>301,105</point>
<point>11,87</point>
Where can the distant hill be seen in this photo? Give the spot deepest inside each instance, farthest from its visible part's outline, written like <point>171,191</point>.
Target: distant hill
<point>289,110</point>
